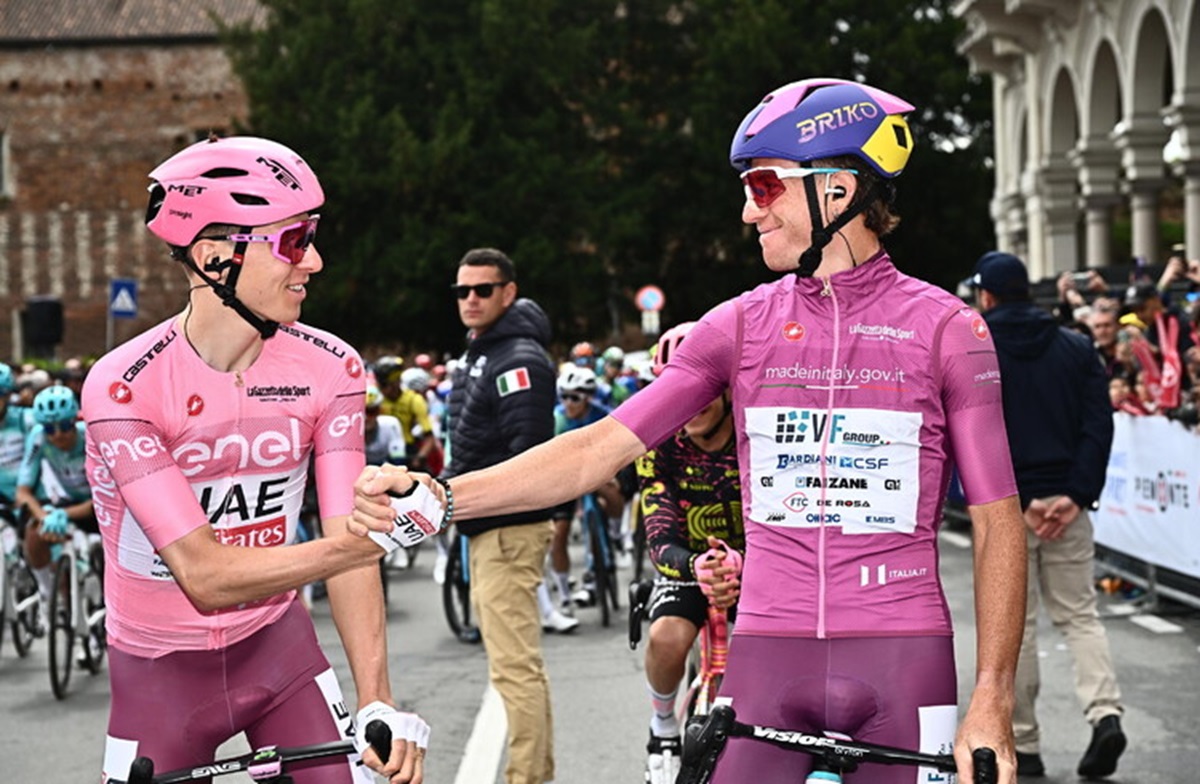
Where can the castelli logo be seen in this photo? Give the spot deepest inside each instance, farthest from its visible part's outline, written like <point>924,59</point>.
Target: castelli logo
<point>979,328</point>
<point>354,367</point>
<point>120,393</point>
<point>195,405</point>
<point>793,331</point>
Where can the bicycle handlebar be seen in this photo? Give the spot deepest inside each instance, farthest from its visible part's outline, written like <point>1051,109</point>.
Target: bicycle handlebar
<point>704,743</point>
<point>265,763</point>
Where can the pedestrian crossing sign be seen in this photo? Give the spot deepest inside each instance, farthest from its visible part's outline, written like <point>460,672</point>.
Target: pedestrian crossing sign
<point>122,298</point>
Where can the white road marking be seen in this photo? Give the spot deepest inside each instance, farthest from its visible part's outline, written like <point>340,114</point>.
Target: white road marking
<point>481,758</point>
<point>1156,624</point>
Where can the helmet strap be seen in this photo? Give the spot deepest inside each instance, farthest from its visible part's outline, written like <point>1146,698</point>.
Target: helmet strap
<point>811,258</point>
<point>227,291</point>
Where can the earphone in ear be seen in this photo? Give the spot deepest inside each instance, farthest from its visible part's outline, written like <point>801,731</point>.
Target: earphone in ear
<point>837,191</point>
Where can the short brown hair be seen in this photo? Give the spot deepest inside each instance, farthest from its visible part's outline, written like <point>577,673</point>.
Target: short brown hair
<point>879,215</point>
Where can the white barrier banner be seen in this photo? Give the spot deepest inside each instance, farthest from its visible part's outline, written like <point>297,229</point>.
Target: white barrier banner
<point>1151,495</point>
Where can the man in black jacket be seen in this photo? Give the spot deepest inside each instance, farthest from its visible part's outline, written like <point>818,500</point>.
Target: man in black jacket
<point>502,403</point>
<point>1059,422</point>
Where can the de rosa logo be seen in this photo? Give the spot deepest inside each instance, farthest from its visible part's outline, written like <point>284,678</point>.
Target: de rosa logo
<point>793,331</point>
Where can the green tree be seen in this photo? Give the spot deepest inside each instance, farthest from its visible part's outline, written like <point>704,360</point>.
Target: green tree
<point>589,139</point>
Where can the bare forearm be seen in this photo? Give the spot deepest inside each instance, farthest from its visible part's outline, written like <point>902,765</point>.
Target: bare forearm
<point>216,575</point>
<point>557,470</point>
<point>1000,565</point>
<point>356,601</point>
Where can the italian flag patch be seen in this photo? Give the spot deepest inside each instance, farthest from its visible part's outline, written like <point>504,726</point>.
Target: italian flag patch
<point>513,381</point>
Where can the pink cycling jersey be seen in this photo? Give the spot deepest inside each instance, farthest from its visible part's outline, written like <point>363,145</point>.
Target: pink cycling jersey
<point>174,445</point>
<point>851,396</point>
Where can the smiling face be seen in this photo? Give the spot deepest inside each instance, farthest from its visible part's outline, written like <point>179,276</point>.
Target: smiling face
<point>271,288</point>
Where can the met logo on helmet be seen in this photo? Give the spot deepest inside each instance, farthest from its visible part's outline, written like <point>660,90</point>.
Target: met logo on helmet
<point>836,118</point>
<point>281,172</point>
<point>186,190</point>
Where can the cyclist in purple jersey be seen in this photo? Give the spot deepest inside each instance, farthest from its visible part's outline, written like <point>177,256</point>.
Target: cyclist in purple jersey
<point>855,390</point>
<point>200,432</point>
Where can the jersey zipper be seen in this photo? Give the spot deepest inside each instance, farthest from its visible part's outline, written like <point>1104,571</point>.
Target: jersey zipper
<point>826,291</point>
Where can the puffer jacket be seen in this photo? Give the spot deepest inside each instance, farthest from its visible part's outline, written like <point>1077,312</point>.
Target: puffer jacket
<point>502,401</point>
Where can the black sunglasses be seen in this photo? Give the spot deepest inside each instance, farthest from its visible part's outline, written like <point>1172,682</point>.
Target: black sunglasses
<point>573,397</point>
<point>482,290</point>
<point>62,426</point>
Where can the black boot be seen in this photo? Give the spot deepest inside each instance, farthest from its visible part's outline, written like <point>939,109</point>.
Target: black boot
<point>1030,765</point>
<point>1108,741</point>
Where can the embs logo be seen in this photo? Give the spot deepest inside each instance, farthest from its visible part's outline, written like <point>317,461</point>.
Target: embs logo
<point>268,533</point>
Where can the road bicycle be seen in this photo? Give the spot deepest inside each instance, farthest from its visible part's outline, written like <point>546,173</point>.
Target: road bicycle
<point>20,601</point>
<point>602,560</point>
<point>456,590</point>
<point>834,757</point>
<point>268,764</point>
<point>76,609</point>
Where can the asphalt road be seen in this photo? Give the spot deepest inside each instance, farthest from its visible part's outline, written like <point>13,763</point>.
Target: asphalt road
<point>600,703</point>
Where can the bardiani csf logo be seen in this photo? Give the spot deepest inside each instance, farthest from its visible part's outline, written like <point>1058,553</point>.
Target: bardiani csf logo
<point>785,462</point>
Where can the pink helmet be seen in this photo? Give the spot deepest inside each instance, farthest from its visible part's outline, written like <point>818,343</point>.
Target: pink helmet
<point>241,180</point>
<point>667,344</point>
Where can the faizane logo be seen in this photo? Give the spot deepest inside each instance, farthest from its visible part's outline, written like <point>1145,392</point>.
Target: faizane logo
<point>793,331</point>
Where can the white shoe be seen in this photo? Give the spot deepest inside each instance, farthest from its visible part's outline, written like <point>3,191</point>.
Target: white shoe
<point>559,623</point>
<point>662,760</point>
<point>439,568</point>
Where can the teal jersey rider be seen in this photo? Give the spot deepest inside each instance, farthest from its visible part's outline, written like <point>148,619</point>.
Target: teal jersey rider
<point>56,475</point>
<point>15,424</point>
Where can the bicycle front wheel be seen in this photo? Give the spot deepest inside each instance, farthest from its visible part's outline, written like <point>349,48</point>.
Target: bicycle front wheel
<point>456,596</point>
<point>24,592</point>
<point>62,627</point>
<point>93,641</point>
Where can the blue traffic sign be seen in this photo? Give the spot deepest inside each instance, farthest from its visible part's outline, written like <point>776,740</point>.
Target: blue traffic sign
<point>650,298</point>
<point>122,298</point>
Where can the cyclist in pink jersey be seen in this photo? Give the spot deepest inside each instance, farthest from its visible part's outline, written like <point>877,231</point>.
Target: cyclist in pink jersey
<point>200,432</point>
<point>855,390</point>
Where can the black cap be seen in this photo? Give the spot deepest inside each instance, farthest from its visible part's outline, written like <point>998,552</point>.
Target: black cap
<point>1140,293</point>
<point>1003,274</point>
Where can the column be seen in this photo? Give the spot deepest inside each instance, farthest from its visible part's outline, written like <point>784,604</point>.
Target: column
<point>1140,141</point>
<point>1184,117</point>
<point>1097,164</point>
<point>1059,204</point>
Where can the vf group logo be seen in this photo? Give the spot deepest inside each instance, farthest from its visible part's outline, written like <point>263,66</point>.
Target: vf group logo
<point>794,427</point>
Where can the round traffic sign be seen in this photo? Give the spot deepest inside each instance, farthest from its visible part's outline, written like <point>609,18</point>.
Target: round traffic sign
<point>650,298</point>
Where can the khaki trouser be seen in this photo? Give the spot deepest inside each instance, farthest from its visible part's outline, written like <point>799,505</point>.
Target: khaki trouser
<point>1062,572</point>
<point>506,568</point>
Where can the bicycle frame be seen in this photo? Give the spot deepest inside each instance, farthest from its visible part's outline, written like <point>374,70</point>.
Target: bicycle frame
<point>704,742</point>
<point>20,601</point>
<point>84,613</point>
<point>600,556</point>
<point>714,653</point>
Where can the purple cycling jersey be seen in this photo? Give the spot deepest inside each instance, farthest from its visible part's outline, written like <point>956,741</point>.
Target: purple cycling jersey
<point>853,396</point>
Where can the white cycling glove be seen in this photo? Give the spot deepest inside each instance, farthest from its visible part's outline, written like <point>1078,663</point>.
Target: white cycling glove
<point>419,515</point>
<point>404,726</point>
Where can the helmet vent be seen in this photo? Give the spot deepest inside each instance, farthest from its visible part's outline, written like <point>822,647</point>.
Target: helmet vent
<point>222,172</point>
<point>901,136</point>
<point>249,199</point>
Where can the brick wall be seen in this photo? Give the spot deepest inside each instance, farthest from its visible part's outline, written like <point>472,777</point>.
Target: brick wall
<point>84,125</point>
